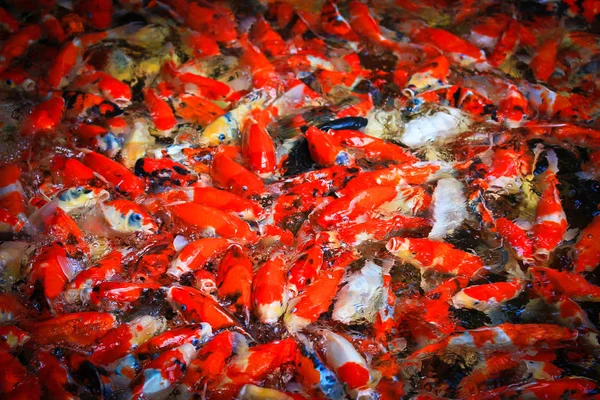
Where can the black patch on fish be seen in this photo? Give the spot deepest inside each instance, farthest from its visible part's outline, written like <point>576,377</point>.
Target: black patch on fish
<point>89,376</point>
<point>243,9</point>
<point>591,67</point>
<point>406,274</point>
<point>180,170</point>
<point>164,140</point>
<point>187,279</point>
<point>490,278</point>
<point>386,61</point>
<point>266,201</point>
<point>465,238</point>
<point>561,260</point>
<point>294,222</point>
<point>97,57</point>
<point>231,51</point>
<point>595,25</point>
<point>525,71</point>
<point>389,22</point>
<point>286,32</point>
<point>352,123</point>
<point>299,160</point>
<point>7,236</point>
<point>38,299</point>
<point>579,90</point>
<point>504,206</point>
<point>491,110</point>
<point>136,91</point>
<point>577,3</point>
<point>181,365</point>
<point>512,310</point>
<point>456,98</point>
<point>569,162</point>
<point>58,352</point>
<point>308,80</point>
<point>115,112</point>
<point>593,277</point>
<point>450,370</point>
<point>138,169</point>
<point>70,98</point>
<point>364,87</point>
<point>123,19</point>
<point>587,367</point>
<point>470,319</point>
<point>592,310</point>
<point>541,166</point>
<point>264,333</point>
<point>530,9</point>
<point>318,115</point>
<point>378,96</point>
<point>160,177</point>
<point>580,199</point>
<point>308,34</point>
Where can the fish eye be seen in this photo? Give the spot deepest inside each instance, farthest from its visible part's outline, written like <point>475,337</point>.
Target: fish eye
<point>221,137</point>
<point>135,219</point>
